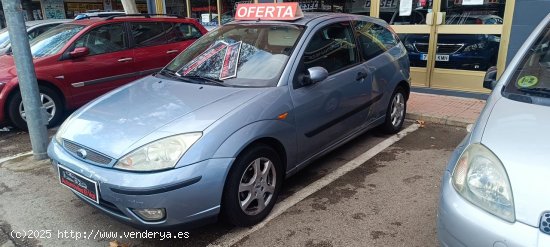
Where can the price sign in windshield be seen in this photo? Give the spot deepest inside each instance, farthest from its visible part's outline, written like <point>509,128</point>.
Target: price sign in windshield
<point>230,61</point>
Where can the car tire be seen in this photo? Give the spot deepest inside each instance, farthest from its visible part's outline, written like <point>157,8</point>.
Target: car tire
<point>396,111</point>
<point>246,188</point>
<point>51,100</point>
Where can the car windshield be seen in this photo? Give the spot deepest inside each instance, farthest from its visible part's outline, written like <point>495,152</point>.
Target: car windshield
<point>531,79</point>
<point>4,38</point>
<point>53,40</point>
<point>237,55</point>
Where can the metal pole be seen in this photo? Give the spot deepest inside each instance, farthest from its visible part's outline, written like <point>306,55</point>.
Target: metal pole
<point>28,85</point>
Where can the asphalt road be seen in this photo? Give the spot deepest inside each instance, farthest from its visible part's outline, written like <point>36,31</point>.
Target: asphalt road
<point>389,200</point>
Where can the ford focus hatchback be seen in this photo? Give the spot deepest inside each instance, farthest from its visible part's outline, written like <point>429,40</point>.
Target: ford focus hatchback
<point>80,60</point>
<point>219,129</point>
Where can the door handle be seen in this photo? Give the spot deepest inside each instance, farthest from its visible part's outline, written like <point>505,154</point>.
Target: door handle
<point>171,51</point>
<point>360,76</point>
<point>126,59</point>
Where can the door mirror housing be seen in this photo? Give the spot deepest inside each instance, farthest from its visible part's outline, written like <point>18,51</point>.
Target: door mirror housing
<point>79,52</point>
<point>490,80</point>
<point>314,75</point>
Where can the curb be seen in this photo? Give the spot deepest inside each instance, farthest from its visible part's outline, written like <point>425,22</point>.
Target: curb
<point>443,120</point>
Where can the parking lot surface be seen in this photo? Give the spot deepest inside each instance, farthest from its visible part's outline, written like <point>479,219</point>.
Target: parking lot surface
<point>389,200</point>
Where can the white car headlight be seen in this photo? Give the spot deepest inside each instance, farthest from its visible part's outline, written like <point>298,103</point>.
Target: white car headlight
<point>158,155</point>
<point>480,178</point>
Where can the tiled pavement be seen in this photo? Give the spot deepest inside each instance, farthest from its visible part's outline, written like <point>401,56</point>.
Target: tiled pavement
<point>449,110</point>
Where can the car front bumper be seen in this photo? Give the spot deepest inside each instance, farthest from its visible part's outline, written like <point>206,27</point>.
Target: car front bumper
<point>189,194</point>
<point>460,223</point>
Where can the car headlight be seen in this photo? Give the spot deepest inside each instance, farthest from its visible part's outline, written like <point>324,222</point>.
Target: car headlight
<point>158,155</point>
<point>408,46</point>
<point>58,135</point>
<point>475,47</point>
<point>480,178</point>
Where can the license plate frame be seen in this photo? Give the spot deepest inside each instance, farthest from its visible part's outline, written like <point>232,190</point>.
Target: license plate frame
<point>77,183</point>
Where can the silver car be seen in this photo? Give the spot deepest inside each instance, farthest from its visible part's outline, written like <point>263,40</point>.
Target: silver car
<point>34,28</point>
<point>220,127</point>
<point>493,192</point>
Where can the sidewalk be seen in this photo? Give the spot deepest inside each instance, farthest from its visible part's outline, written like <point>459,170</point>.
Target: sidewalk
<point>448,110</point>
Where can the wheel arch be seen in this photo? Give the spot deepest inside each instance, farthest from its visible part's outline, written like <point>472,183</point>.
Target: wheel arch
<point>405,85</point>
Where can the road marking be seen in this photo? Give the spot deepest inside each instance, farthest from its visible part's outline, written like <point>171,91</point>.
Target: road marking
<point>238,234</point>
<point>2,160</point>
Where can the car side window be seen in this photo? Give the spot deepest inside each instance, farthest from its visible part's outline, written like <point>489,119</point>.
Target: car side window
<point>104,39</point>
<point>373,39</point>
<point>333,48</point>
<point>176,32</point>
<point>148,33</point>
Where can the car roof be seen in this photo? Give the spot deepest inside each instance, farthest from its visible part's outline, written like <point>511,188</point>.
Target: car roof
<point>312,18</point>
<point>40,22</point>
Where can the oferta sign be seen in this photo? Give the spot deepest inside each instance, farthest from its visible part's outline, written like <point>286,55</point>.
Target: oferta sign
<point>269,11</point>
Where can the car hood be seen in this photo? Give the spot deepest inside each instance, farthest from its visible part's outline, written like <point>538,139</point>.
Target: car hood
<point>518,134</point>
<point>134,115</point>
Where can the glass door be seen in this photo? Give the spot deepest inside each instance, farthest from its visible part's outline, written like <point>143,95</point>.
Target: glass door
<point>412,20</point>
<point>468,36</point>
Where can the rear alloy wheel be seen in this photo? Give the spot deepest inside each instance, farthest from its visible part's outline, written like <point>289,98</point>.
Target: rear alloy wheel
<point>252,186</point>
<point>50,100</point>
<point>395,114</point>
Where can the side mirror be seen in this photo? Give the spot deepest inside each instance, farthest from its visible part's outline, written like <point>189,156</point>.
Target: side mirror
<point>79,52</point>
<point>314,75</point>
<point>490,80</point>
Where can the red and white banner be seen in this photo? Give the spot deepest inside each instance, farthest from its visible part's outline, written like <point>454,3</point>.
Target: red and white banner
<point>269,11</point>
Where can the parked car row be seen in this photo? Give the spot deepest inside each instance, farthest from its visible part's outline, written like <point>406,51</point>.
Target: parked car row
<point>80,60</point>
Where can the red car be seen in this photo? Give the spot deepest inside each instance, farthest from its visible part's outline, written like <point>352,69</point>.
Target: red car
<point>78,61</point>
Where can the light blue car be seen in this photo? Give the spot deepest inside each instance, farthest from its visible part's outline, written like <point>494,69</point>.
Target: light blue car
<point>219,128</point>
<point>495,191</point>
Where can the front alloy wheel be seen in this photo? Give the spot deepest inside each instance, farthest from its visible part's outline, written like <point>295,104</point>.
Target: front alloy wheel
<point>252,185</point>
<point>47,103</point>
<point>50,99</point>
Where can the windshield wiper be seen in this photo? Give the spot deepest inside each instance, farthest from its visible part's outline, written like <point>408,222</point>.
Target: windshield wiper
<point>536,91</point>
<point>171,74</point>
<point>211,80</point>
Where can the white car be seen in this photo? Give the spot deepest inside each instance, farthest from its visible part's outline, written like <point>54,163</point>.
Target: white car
<point>34,28</point>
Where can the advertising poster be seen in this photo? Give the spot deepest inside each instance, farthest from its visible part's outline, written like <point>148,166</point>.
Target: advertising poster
<point>201,59</point>
<point>230,61</point>
<point>53,9</point>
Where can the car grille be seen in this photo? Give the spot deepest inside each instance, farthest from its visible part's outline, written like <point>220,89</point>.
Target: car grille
<point>441,48</point>
<point>91,155</point>
<point>545,223</point>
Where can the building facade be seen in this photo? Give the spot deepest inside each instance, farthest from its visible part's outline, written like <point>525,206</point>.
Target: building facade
<point>451,43</point>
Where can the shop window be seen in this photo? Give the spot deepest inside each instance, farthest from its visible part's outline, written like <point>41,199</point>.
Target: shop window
<point>104,39</point>
<point>473,12</point>
<point>467,51</point>
<point>373,39</point>
<point>148,33</point>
